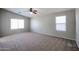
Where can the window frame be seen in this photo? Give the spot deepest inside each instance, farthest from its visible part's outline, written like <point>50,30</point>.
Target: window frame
<point>62,30</point>
<point>17,26</point>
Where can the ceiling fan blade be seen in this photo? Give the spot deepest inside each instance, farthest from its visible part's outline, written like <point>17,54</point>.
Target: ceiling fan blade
<point>35,11</point>
<point>30,9</point>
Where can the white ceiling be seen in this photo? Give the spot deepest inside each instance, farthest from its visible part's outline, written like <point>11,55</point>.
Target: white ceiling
<point>20,11</point>
<point>41,11</point>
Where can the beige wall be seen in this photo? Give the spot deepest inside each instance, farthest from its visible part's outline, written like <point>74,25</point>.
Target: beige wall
<point>46,24</point>
<point>5,17</point>
<point>77,26</point>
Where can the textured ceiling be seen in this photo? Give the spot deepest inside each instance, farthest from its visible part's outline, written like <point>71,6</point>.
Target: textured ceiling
<point>41,11</point>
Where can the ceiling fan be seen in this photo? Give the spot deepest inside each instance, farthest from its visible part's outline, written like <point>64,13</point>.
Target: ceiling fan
<point>33,11</point>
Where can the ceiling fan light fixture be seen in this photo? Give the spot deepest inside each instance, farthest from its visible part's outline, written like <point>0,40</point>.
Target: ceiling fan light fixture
<point>31,13</point>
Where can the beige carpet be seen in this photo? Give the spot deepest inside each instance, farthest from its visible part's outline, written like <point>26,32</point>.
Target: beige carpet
<point>35,42</point>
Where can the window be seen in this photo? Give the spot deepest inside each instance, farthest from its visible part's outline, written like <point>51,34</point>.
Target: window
<point>61,23</point>
<point>17,24</point>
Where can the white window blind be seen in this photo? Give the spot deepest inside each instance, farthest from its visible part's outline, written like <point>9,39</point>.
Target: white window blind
<point>61,23</point>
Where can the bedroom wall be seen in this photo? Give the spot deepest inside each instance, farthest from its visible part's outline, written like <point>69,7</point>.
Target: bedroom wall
<point>77,26</point>
<point>46,24</point>
<point>0,24</point>
<point>5,17</point>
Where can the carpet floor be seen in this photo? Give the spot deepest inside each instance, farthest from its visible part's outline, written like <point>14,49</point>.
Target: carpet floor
<point>36,42</point>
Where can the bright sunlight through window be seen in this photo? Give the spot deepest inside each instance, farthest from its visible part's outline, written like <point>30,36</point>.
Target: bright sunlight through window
<point>61,23</point>
<point>17,23</point>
